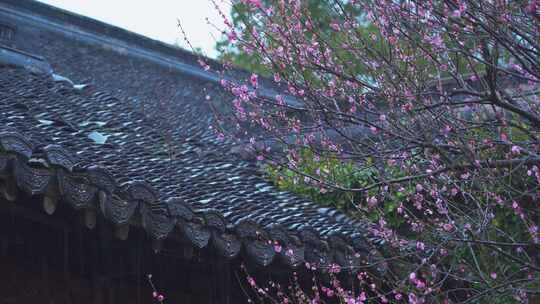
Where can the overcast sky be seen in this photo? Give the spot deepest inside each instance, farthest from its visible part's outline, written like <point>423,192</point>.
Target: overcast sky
<point>156,19</point>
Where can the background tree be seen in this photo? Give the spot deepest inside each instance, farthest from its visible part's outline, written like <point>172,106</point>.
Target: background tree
<point>241,16</point>
<point>434,106</point>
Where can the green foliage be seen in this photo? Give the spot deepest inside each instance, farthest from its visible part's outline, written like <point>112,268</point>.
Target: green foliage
<point>348,175</point>
<point>328,168</point>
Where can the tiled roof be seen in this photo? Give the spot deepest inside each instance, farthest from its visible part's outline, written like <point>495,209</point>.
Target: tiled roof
<point>108,155</point>
<point>135,144</point>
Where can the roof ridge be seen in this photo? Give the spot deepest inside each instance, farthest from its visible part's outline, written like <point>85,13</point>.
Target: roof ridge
<point>67,20</point>
<point>97,32</point>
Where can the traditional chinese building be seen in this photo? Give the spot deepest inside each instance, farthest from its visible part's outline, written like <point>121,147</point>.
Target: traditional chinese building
<point>109,171</point>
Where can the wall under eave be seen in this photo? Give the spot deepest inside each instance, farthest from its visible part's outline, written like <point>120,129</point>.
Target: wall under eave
<point>54,259</point>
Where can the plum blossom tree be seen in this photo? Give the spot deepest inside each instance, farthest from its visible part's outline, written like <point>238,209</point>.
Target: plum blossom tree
<point>439,101</point>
